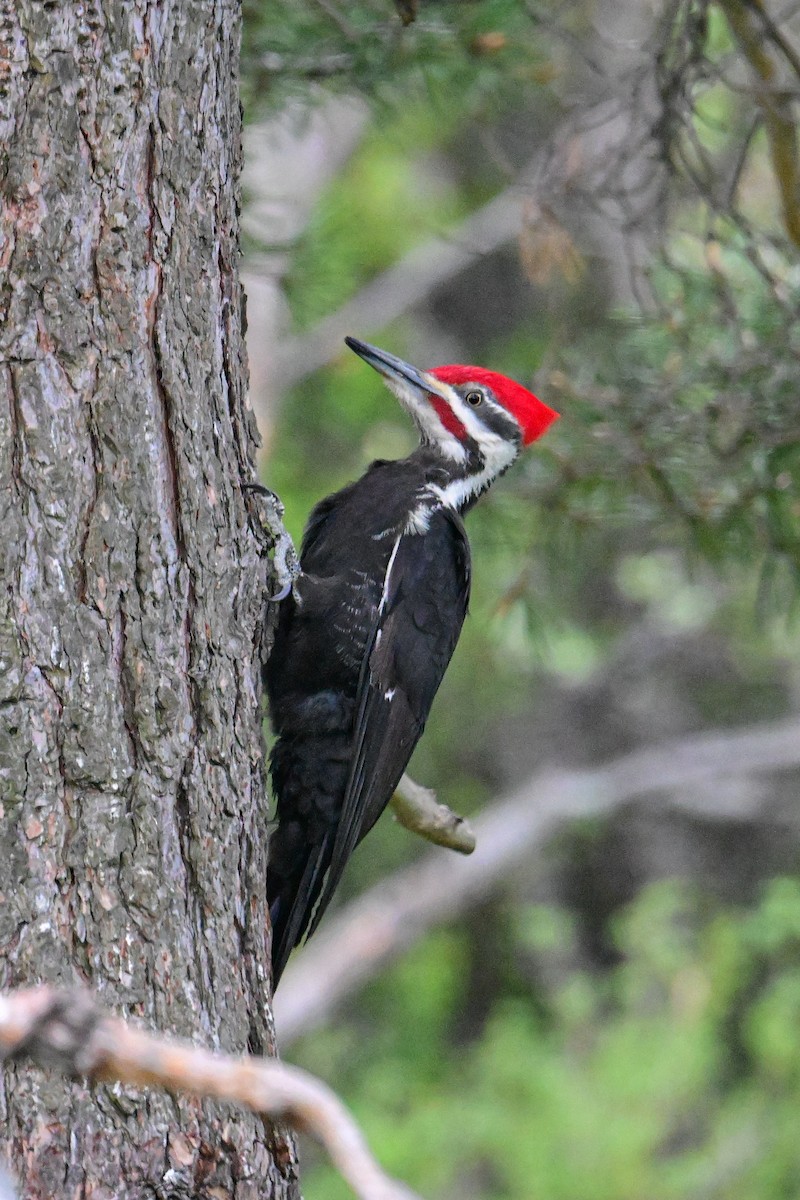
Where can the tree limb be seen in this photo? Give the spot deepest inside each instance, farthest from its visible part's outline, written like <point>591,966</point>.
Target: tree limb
<point>418,810</point>
<point>379,926</point>
<point>69,1031</point>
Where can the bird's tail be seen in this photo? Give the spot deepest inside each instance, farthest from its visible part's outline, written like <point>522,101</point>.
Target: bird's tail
<point>292,898</point>
<point>309,776</point>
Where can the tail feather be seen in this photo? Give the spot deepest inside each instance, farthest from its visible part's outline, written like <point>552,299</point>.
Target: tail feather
<point>292,906</point>
<point>309,776</point>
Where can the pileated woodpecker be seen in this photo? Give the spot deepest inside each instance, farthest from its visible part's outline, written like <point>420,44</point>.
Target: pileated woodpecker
<point>366,635</point>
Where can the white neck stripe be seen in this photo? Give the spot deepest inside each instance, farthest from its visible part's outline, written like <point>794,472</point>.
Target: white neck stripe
<point>427,421</point>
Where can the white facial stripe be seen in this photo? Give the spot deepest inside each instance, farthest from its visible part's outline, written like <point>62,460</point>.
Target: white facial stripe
<point>469,418</point>
<point>497,452</point>
<point>459,491</point>
<point>427,419</point>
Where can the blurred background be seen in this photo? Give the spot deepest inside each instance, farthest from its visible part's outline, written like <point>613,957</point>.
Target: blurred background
<point>601,199</point>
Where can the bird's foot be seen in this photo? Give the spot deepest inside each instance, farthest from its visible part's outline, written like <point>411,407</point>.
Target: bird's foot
<point>271,530</point>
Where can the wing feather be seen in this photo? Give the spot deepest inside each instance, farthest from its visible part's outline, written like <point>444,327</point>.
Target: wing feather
<point>417,624</point>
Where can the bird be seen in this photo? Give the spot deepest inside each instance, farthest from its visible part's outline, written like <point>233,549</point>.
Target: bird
<point>365,634</point>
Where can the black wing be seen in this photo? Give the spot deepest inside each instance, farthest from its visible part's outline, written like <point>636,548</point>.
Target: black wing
<point>417,625</point>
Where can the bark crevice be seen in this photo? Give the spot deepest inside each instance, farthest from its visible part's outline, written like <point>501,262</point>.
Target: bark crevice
<point>134,835</point>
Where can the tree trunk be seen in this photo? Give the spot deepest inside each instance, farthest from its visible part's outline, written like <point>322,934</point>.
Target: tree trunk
<point>132,839</point>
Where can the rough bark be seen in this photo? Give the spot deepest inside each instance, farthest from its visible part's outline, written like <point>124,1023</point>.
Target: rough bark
<point>132,812</point>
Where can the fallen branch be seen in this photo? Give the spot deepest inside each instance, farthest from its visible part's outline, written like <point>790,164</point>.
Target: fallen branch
<point>69,1031</point>
<point>379,926</point>
<point>418,810</point>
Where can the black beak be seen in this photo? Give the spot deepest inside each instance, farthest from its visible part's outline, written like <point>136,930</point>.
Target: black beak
<point>392,367</point>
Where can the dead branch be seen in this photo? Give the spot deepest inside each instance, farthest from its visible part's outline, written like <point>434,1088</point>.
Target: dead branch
<point>69,1031</point>
<point>391,917</point>
<point>418,810</point>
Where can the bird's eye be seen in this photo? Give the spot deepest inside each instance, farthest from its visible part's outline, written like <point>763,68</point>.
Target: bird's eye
<point>474,398</point>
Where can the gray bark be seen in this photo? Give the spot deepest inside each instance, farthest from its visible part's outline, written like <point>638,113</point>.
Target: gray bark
<point>132,801</point>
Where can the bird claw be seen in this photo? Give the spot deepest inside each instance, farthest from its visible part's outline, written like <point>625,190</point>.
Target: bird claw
<point>282,594</point>
<point>285,562</point>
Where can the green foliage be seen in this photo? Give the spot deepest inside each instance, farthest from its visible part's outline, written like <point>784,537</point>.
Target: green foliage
<point>484,54</point>
<point>674,1074</point>
<point>687,421</point>
<point>388,200</point>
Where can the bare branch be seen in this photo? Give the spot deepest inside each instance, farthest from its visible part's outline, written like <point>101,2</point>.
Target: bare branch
<point>418,810</point>
<point>68,1030</point>
<point>379,926</point>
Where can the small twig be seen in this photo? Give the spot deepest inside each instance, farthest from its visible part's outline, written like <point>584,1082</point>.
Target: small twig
<point>773,31</point>
<point>322,67</point>
<point>68,1030</point>
<point>418,810</point>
